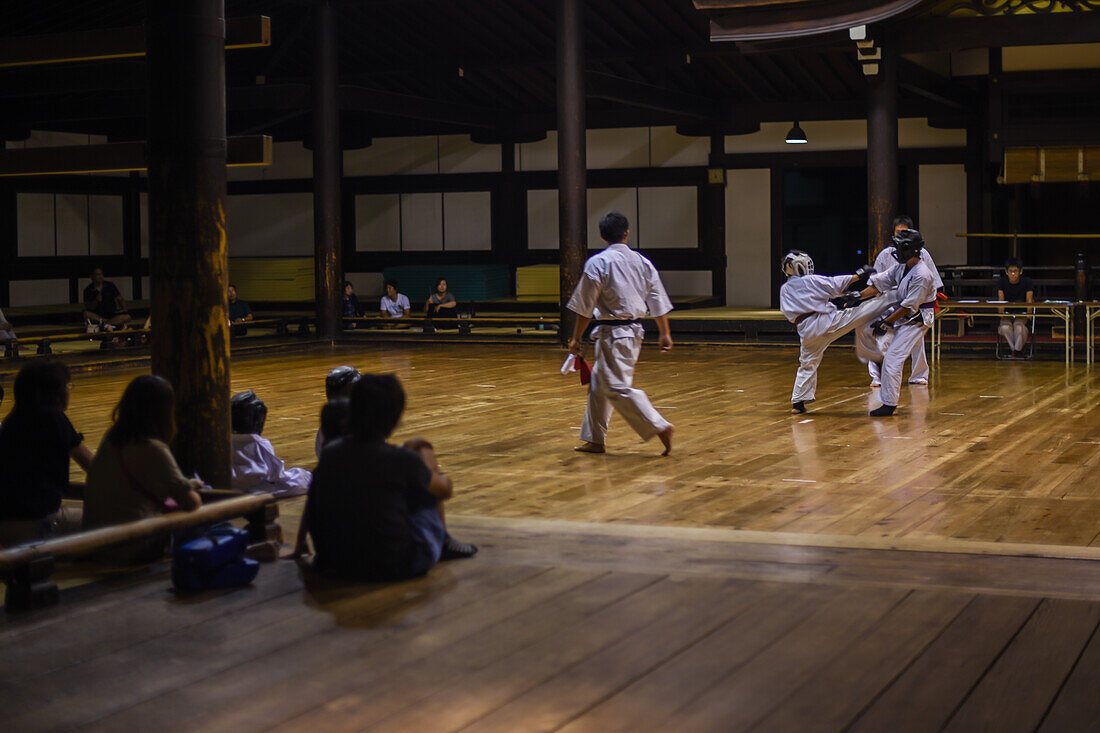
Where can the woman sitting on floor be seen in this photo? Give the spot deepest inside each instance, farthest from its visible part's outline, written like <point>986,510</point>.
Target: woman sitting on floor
<point>134,474</point>
<point>36,443</point>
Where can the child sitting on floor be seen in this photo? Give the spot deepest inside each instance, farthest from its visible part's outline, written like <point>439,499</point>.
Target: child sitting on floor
<point>255,467</point>
<point>375,510</point>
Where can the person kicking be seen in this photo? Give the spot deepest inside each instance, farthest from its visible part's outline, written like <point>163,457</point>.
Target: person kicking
<point>908,322</point>
<point>619,286</point>
<point>807,301</point>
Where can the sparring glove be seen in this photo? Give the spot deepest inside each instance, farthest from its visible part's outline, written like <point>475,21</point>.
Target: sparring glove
<point>863,274</point>
<point>848,300</point>
<point>880,326</point>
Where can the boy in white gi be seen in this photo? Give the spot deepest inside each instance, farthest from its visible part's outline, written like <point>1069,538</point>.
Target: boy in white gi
<point>254,466</point>
<point>618,287</point>
<point>916,298</point>
<point>918,372</point>
<point>806,301</point>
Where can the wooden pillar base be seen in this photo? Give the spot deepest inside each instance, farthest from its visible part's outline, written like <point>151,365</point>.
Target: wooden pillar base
<point>262,525</point>
<point>31,586</point>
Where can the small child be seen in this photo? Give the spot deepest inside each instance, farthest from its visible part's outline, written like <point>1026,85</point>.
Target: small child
<point>338,383</point>
<point>375,510</point>
<point>255,467</point>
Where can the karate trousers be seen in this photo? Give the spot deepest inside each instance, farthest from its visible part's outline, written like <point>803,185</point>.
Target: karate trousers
<point>813,348</point>
<point>918,369</point>
<point>612,388</point>
<point>901,346</point>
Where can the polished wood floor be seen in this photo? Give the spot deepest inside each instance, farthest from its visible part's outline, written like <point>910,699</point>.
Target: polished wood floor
<point>580,627</point>
<point>1004,452</point>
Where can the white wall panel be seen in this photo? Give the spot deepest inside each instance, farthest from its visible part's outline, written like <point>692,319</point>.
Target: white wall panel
<point>687,282</point>
<point>393,156</point>
<point>458,154</point>
<point>72,224</point>
<point>748,238</point>
<point>541,155</point>
<point>671,149</point>
<point>39,292</point>
<point>105,225</point>
<point>626,147</point>
<point>841,135</point>
<point>943,212</point>
<point>369,288</point>
<point>34,212</point>
<point>467,221</point>
<point>542,219</point>
<point>668,217</point>
<point>603,200</point>
<point>288,160</point>
<point>270,225</point>
<point>421,222</point>
<point>378,223</point>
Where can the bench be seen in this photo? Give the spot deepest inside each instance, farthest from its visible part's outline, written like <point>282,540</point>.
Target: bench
<point>27,569</point>
<point>465,325</point>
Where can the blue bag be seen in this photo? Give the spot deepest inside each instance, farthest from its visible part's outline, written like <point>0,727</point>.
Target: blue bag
<point>213,561</point>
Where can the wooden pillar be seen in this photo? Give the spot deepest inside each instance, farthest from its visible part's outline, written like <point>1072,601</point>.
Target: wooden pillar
<point>9,239</point>
<point>188,254</point>
<point>712,217</point>
<point>509,213</point>
<point>327,171</point>
<point>977,248</point>
<point>131,234</point>
<point>572,158</point>
<point>882,152</point>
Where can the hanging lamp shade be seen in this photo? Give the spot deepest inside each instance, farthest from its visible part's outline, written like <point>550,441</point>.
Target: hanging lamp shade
<point>797,136</point>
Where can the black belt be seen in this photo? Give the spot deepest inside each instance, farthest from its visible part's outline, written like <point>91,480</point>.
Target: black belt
<point>617,323</point>
<point>802,317</point>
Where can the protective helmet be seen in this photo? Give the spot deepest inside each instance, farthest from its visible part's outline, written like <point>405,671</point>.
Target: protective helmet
<point>339,381</point>
<point>797,262</point>
<point>907,244</point>
<point>248,413</point>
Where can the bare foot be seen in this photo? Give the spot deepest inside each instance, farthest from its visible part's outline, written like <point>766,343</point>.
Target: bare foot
<point>666,438</point>
<point>588,447</point>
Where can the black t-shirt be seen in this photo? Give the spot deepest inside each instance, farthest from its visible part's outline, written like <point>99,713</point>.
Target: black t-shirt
<point>108,305</point>
<point>34,451</point>
<point>370,513</point>
<point>1015,293</point>
<point>239,309</point>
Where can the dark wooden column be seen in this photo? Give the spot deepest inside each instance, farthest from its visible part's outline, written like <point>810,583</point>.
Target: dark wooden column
<point>572,157</point>
<point>131,234</point>
<point>882,152</point>
<point>327,171</point>
<point>712,217</point>
<point>188,254</point>
<point>9,239</point>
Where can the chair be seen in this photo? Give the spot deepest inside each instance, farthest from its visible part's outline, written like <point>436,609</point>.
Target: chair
<point>1006,355</point>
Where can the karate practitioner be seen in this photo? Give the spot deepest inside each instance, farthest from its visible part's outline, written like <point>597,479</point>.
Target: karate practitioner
<point>254,466</point>
<point>905,326</point>
<point>918,370</point>
<point>806,301</point>
<point>617,289</point>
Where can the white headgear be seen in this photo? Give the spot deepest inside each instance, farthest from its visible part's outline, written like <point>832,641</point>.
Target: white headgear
<point>797,262</point>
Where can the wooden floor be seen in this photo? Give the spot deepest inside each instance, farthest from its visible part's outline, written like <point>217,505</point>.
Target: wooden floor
<point>990,451</point>
<point>578,627</point>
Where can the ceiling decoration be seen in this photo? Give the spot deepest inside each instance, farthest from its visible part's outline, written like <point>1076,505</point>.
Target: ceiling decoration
<point>972,8</point>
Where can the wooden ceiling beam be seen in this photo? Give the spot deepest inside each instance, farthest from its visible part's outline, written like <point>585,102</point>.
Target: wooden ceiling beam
<point>647,96</point>
<point>958,34</point>
<point>930,85</point>
<point>115,43</point>
<point>250,150</point>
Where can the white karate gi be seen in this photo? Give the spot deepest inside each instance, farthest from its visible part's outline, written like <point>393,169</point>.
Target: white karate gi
<point>619,284</point>
<point>915,290</point>
<point>918,370</point>
<point>256,468</point>
<point>6,335</point>
<point>811,294</point>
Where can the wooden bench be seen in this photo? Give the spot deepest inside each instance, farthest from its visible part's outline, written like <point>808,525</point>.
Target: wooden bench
<point>464,325</point>
<point>27,569</point>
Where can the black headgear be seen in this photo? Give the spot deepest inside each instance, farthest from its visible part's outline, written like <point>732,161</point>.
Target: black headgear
<point>907,244</point>
<point>248,413</point>
<point>339,381</point>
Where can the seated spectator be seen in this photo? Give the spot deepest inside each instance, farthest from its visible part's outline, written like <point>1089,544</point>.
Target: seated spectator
<point>104,308</point>
<point>375,510</point>
<point>7,331</point>
<point>335,416</point>
<point>394,304</point>
<point>2,401</point>
<point>1015,287</point>
<point>36,443</point>
<point>338,383</point>
<point>239,312</point>
<point>255,467</point>
<point>441,303</point>
<point>350,306</point>
<point>134,474</point>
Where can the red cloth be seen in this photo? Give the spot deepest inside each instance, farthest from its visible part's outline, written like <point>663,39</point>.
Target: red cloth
<point>584,369</point>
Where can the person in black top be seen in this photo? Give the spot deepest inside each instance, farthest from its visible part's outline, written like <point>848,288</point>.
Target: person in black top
<point>104,307</point>
<point>1015,287</point>
<point>36,442</point>
<point>350,307</point>
<point>375,510</point>
<point>239,312</point>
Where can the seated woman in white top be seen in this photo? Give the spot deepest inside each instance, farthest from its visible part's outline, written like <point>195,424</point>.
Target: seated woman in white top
<point>254,465</point>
